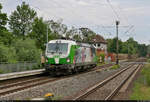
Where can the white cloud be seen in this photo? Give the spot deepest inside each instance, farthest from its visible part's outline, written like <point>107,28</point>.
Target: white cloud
<point>83,3</point>
<point>81,11</point>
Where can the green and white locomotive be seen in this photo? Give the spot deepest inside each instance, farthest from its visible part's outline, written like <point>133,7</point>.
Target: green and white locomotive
<point>67,56</point>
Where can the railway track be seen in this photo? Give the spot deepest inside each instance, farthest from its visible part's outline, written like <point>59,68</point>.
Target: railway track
<point>15,85</point>
<point>8,86</point>
<point>42,76</point>
<point>137,60</point>
<point>11,88</point>
<point>108,88</point>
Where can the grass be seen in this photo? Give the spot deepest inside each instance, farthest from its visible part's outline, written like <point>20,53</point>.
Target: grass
<point>115,67</point>
<point>54,98</point>
<point>141,90</point>
<point>103,63</point>
<point>148,60</point>
<point>57,98</point>
<point>146,73</point>
<point>100,64</point>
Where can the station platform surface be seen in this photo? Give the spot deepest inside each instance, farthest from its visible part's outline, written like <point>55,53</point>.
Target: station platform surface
<point>20,74</point>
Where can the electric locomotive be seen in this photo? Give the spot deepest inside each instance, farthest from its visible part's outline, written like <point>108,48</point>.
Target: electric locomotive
<point>68,56</point>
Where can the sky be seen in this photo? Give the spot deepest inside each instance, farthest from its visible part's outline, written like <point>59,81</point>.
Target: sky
<point>98,15</point>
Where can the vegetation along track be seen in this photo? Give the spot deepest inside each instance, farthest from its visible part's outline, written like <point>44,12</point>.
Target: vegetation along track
<point>106,89</point>
<point>14,85</point>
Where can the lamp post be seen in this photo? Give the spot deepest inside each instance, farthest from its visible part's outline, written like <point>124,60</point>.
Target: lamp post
<point>117,60</point>
<point>47,33</point>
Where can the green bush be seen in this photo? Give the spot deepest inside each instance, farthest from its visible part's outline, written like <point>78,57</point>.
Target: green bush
<point>7,54</point>
<point>115,67</point>
<point>28,68</point>
<point>38,66</point>
<point>27,51</point>
<point>20,50</point>
<point>102,56</point>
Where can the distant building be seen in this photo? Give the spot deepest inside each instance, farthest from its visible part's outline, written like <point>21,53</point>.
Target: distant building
<point>101,47</point>
<point>100,44</point>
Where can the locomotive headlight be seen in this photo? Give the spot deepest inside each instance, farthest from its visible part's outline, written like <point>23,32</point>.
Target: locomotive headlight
<point>68,60</point>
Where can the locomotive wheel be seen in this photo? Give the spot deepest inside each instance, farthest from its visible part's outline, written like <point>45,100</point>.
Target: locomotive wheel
<point>57,74</point>
<point>46,72</point>
<point>53,74</point>
<point>75,70</point>
<point>83,68</point>
<point>69,72</point>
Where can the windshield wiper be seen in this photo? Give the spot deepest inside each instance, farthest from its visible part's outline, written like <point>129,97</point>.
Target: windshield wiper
<point>52,52</point>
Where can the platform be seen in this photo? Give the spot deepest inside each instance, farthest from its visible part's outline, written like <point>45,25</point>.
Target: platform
<point>20,74</point>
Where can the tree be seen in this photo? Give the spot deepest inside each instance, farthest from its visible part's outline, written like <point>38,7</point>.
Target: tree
<point>3,19</point>
<point>142,50</point>
<point>21,20</point>
<point>133,46</point>
<point>87,34</point>
<point>58,29</point>
<point>124,47</point>
<point>112,45</point>
<point>77,37</point>
<point>73,33</point>
<point>6,37</point>
<point>148,50</point>
<point>130,47</point>
<point>39,33</point>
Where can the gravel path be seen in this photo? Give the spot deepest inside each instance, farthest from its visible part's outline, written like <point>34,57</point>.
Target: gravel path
<point>62,88</point>
<point>104,91</point>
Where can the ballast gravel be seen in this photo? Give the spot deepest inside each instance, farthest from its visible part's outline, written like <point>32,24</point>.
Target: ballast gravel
<point>104,91</point>
<point>64,87</point>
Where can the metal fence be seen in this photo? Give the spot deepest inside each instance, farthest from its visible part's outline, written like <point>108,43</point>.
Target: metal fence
<point>17,67</point>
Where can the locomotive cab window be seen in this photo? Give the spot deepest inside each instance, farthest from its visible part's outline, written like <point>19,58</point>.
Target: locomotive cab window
<point>61,48</point>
